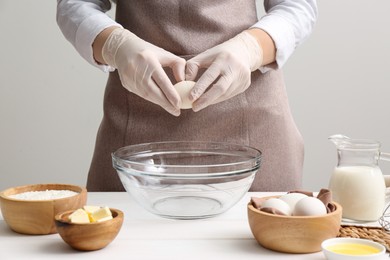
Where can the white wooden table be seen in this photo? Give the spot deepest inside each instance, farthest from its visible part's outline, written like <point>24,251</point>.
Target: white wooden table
<point>145,236</point>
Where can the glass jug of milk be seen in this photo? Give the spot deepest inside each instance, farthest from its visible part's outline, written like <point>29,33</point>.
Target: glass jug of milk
<point>357,183</point>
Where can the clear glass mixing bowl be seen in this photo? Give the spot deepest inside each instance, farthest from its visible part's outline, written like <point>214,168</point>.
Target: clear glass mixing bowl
<point>187,180</point>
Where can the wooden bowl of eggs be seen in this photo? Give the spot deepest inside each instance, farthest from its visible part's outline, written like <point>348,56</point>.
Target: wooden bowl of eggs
<point>30,209</point>
<point>303,227</point>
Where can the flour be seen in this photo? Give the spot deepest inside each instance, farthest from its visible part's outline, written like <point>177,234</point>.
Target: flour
<point>43,195</point>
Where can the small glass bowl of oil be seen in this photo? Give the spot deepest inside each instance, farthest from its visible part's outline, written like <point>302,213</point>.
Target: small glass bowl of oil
<point>343,248</point>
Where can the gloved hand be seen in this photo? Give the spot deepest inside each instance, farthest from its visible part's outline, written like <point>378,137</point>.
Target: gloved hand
<point>229,66</point>
<point>140,67</point>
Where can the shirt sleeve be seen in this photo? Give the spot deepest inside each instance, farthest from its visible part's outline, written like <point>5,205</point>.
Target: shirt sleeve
<point>288,23</point>
<point>81,21</point>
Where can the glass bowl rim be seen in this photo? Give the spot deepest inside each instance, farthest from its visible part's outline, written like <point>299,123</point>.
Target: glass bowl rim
<point>256,159</point>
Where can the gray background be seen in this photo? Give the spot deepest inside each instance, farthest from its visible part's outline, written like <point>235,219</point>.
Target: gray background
<point>51,99</point>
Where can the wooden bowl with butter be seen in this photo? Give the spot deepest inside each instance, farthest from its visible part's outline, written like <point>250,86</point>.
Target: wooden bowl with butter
<point>30,209</point>
<point>89,236</point>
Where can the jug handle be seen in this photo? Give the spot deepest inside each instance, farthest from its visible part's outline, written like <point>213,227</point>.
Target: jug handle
<point>384,156</point>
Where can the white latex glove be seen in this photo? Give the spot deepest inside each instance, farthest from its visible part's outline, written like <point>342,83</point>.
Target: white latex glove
<point>229,66</point>
<point>140,67</point>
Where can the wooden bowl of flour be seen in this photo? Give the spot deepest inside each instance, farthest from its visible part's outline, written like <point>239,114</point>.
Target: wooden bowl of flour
<point>31,209</point>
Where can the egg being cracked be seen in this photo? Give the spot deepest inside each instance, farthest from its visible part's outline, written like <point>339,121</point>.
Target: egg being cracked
<point>309,206</point>
<point>184,89</point>
<point>292,198</point>
<point>277,204</point>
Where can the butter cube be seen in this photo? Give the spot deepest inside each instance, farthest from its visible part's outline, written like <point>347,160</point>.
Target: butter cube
<point>91,209</point>
<point>79,216</point>
<point>101,214</point>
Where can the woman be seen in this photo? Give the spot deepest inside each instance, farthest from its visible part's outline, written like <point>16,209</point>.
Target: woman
<point>235,59</point>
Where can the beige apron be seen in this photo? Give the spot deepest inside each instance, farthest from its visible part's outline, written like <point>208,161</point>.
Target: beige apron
<point>259,117</point>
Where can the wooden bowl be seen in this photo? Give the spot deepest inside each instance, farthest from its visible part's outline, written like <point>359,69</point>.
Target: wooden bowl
<point>293,234</point>
<point>36,217</point>
<point>89,236</point>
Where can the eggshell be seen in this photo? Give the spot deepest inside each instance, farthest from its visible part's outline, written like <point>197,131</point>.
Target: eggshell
<point>184,88</point>
<point>309,206</point>
<point>292,198</point>
<point>277,204</point>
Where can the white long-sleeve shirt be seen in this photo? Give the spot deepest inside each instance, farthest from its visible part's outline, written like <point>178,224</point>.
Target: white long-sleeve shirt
<point>288,22</point>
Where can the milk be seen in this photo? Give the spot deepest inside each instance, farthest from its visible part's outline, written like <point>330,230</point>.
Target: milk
<point>360,190</point>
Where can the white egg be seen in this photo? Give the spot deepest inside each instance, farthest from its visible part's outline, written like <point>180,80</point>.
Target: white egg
<point>309,206</point>
<point>292,198</point>
<point>277,204</point>
<point>184,89</point>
